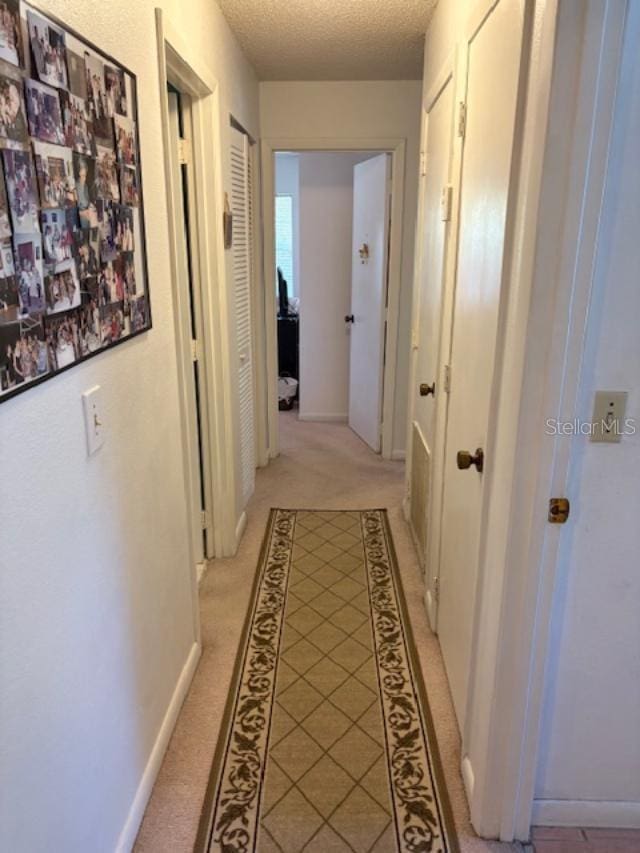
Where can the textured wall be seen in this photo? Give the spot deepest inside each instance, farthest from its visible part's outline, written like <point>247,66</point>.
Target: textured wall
<point>351,110</point>
<point>95,609</point>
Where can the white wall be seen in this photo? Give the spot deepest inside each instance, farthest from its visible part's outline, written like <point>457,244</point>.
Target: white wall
<point>95,603</point>
<point>326,216</point>
<point>589,761</point>
<point>287,180</point>
<point>360,109</point>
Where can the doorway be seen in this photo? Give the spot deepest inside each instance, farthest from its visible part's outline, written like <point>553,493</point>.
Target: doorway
<point>332,251</point>
<point>183,186</point>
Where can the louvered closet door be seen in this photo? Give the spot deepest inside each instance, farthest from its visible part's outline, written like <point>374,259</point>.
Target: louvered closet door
<point>241,250</point>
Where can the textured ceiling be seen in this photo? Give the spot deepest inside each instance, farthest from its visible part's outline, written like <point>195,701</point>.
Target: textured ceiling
<point>331,39</point>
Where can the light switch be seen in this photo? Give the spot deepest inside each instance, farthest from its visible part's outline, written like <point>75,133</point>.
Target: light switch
<point>93,420</point>
<point>609,416</point>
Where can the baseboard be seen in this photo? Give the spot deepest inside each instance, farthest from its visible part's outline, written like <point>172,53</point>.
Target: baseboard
<point>324,419</point>
<point>200,570</point>
<point>136,813</point>
<point>616,814</point>
<point>431,608</point>
<point>240,528</point>
<point>398,455</point>
<point>406,508</point>
<point>468,777</point>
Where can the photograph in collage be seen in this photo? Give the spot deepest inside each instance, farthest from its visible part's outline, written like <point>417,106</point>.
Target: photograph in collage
<point>54,168</point>
<point>84,173</point>
<point>116,91</point>
<point>48,49</point>
<point>87,253</point>
<point>78,129</point>
<point>112,323</point>
<point>22,191</point>
<point>107,186</point>
<point>76,69</point>
<point>13,122</point>
<point>97,101</point>
<point>29,272</point>
<point>62,289</point>
<point>43,112</point>
<point>125,141</point>
<point>58,238</point>
<point>11,44</point>
<point>63,340</point>
<point>129,186</point>
<point>23,354</point>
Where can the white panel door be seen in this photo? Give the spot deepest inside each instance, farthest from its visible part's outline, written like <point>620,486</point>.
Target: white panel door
<point>368,297</point>
<point>242,260</point>
<point>493,54</point>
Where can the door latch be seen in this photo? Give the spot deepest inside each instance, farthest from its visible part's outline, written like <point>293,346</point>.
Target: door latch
<point>559,509</point>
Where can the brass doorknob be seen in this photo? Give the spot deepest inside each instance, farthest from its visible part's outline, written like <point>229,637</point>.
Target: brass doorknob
<point>466,460</point>
<point>425,389</point>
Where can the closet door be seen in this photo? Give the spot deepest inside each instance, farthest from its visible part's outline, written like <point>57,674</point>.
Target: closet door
<point>241,207</point>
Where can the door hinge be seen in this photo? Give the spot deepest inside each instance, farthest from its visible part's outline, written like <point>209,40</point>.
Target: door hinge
<point>462,119</point>
<point>184,152</point>
<point>204,519</point>
<point>194,349</point>
<point>447,378</point>
<point>559,509</point>
<point>436,590</point>
<point>423,163</point>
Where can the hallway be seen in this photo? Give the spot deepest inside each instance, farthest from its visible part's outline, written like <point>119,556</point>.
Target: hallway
<point>321,466</point>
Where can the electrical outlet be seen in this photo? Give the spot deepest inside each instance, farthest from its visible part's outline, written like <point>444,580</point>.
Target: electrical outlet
<point>609,409</point>
<point>93,419</point>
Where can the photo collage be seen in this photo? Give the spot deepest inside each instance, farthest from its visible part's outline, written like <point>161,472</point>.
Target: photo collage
<point>72,263</point>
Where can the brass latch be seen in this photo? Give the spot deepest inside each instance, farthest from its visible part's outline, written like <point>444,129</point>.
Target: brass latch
<point>559,509</point>
<point>363,251</point>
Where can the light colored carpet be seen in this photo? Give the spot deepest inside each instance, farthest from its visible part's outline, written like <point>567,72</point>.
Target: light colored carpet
<point>321,466</point>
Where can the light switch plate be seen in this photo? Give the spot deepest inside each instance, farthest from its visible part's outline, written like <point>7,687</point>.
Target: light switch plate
<point>609,409</point>
<point>93,419</point>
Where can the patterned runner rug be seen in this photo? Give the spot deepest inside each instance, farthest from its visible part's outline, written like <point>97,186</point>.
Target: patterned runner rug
<point>327,743</point>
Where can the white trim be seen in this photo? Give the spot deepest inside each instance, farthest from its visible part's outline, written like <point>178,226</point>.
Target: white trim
<point>396,147</point>
<point>131,827</point>
<point>177,62</point>
<point>614,814</point>
<point>398,455</point>
<point>454,72</point>
<point>241,526</point>
<point>201,569</point>
<point>550,269</point>
<point>324,419</point>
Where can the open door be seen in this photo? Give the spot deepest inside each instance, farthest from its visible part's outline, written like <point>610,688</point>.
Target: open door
<point>368,297</point>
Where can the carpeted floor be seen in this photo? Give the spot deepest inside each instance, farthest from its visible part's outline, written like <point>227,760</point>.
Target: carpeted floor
<point>324,466</point>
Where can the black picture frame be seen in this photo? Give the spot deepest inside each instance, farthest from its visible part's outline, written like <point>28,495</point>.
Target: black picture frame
<point>23,73</point>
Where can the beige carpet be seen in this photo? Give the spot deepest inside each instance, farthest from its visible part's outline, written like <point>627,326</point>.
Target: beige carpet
<point>326,467</point>
<point>328,742</point>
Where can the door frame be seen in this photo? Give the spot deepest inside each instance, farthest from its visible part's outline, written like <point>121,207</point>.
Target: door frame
<point>552,260</point>
<point>451,70</point>
<point>269,148</point>
<point>178,66</point>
